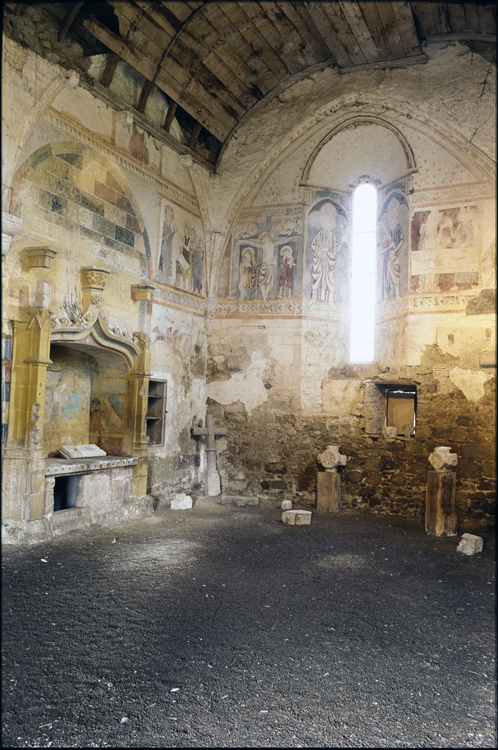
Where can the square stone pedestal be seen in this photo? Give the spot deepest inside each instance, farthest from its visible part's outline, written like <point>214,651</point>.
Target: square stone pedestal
<point>440,510</point>
<point>328,491</point>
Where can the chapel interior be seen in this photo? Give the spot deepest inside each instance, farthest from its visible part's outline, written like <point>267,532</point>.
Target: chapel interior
<point>183,236</point>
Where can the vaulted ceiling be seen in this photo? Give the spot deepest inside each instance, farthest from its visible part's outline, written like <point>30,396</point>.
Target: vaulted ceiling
<point>217,63</point>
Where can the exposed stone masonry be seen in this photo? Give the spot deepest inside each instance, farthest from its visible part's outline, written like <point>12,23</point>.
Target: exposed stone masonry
<point>383,475</point>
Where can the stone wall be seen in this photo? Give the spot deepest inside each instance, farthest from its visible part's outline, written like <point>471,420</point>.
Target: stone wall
<point>271,450</point>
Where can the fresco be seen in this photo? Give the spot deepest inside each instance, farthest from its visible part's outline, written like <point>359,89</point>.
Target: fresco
<point>326,253</point>
<point>393,243</point>
<point>445,247</point>
<point>181,252</point>
<point>267,258</point>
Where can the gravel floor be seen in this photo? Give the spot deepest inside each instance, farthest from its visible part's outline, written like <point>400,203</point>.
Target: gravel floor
<point>222,627</point>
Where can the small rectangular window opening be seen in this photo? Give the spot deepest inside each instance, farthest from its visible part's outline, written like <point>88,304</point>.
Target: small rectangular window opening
<point>401,410</point>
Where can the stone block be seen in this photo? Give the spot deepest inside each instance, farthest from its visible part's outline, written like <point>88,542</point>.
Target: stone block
<point>181,501</point>
<point>297,517</point>
<point>81,451</point>
<point>470,544</point>
<point>286,505</point>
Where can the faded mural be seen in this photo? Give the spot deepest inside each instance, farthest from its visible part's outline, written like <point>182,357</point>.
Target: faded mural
<point>326,253</point>
<point>267,257</point>
<point>393,243</point>
<point>445,246</point>
<point>181,253</point>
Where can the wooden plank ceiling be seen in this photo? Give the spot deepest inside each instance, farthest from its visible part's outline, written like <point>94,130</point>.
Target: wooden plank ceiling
<point>217,60</point>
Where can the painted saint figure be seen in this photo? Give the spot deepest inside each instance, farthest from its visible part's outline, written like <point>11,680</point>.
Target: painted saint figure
<point>392,244</point>
<point>247,273</point>
<point>324,247</point>
<point>267,269</point>
<point>287,272</point>
<point>165,256</point>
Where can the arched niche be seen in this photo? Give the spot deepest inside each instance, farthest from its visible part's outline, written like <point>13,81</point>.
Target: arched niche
<point>360,146</point>
<point>89,374</point>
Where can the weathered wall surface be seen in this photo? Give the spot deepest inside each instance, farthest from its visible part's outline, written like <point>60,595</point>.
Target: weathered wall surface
<point>119,215</point>
<point>434,321</point>
<point>270,357</point>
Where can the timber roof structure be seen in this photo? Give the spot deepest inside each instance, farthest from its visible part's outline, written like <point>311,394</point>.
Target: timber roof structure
<point>217,63</point>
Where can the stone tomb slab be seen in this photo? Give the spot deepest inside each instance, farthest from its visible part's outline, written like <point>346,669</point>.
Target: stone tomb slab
<point>81,451</point>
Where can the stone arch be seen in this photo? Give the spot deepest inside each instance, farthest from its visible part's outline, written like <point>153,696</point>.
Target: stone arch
<point>78,187</point>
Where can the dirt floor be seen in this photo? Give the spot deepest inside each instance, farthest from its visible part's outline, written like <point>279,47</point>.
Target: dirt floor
<point>222,627</point>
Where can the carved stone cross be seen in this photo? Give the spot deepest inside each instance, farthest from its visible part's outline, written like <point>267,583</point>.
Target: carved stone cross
<point>211,432</point>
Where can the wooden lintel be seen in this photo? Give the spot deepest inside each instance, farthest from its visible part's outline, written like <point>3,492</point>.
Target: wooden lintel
<point>170,116</point>
<point>194,135</point>
<point>109,70</point>
<point>68,19</point>
<point>144,95</point>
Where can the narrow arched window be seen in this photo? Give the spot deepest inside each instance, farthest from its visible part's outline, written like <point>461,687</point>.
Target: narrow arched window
<point>363,274</point>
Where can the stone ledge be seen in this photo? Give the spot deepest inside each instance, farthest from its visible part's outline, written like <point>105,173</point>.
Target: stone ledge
<point>58,467</point>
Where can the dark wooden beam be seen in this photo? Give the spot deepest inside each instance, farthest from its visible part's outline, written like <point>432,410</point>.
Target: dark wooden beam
<point>194,135</point>
<point>109,70</point>
<point>144,95</point>
<point>170,116</point>
<point>68,19</point>
<point>119,104</point>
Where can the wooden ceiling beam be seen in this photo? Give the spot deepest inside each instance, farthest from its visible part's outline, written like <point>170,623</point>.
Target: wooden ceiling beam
<point>260,47</point>
<point>192,139</point>
<point>376,28</point>
<point>170,115</point>
<point>359,28</point>
<point>229,40</point>
<point>270,34</point>
<point>292,47</point>
<point>144,95</point>
<point>299,15</point>
<point>329,33</point>
<point>340,23</point>
<point>222,59</point>
<point>128,52</point>
<point>388,19</point>
<point>406,27</point>
<point>109,70</point>
<point>118,104</point>
<point>423,13</point>
<point>68,19</point>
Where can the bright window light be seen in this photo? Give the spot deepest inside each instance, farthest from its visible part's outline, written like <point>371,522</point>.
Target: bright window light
<point>363,274</point>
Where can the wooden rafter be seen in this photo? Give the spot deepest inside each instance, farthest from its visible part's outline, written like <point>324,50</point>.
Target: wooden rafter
<point>68,19</point>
